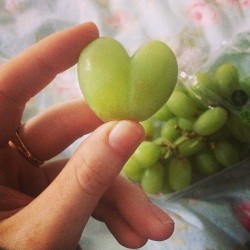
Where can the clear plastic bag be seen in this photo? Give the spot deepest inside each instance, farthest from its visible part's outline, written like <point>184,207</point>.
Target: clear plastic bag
<point>215,211</point>
<point>205,125</point>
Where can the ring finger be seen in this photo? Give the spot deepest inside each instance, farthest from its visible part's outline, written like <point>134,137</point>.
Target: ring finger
<point>49,133</point>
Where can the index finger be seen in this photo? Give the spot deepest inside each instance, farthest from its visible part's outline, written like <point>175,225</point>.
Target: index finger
<point>26,74</point>
<point>30,71</point>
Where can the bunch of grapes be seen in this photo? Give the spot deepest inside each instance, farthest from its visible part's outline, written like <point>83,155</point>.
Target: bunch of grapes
<point>203,128</point>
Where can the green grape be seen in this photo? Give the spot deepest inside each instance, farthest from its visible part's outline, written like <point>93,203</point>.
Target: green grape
<point>166,189</point>
<point>171,134</point>
<point>204,80</point>
<point>170,130</point>
<point>179,174</point>
<point>227,77</point>
<point>191,146</point>
<point>163,114</point>
<point>226,153</point>
<point>207,97</point>
<point>147,154</point>
<point>117,86</point>
<point>238,128</point>
<point>205,91</point>
<point>132,170</point>
<point>221,134</point>
<point>172,122</point>
<point>152,179</point>
<point>197,97</point>
<point>180,87</point>
<point>210,121</point>
<point>186,124</point>
<point>165,150</point>
<point>206,163</point>
<point>182,105</point>
<point>159,140</point>
<point>148,128</point>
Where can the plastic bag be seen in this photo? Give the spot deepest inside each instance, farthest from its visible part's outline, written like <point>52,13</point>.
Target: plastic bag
<point>212,211</point>
<point>215,211</point>
<point>203,128</point>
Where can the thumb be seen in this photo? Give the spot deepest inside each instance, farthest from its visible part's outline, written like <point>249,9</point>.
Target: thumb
<point>63,209</point>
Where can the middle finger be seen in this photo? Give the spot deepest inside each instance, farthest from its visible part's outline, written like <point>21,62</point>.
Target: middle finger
<point>49,133</point>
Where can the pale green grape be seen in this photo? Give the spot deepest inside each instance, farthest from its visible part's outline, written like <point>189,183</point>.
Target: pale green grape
<point>117,86</point>
<point>147,154</point>
<point>196,96</point>
<point>180,87</point>
<point>159,140</point>
<point>211,121</point>
<point>206,163</point>
<point>132,170</point>
<point>172,122</point>
<point>148,128</point>
<point>182,105</point>
<point>239,129</point>
<point>152,179</point>
<point>163,143</point>
<point>203,79</point>
<point>206,90</point>
<point>191,146</point>
<point>179,174</point>
<point>227,76</point>
<point>221,134</point>
<point>163,114</point>
<point>170,132</point>
<point>226,153</point>
<point>166,189</point>
<point>186,124</point>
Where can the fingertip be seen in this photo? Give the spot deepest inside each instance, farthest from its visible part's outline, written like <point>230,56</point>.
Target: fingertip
<point>134,242</point>
<point>148,220</point>
<point>93,26</point>
<point>163,226</point>
<point>126,136</point>
<point>164,232</point>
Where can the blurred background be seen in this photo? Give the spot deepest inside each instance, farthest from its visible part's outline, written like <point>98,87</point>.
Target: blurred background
<point>202,33</point>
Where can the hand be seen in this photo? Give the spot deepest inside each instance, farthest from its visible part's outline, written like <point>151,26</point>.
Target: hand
<point>47,207</point>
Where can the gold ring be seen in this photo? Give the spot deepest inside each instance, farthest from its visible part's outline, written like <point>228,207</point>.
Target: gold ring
<point>17,144</point>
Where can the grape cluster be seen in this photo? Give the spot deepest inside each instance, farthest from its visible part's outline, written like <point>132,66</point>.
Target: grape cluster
<point>203,128</point>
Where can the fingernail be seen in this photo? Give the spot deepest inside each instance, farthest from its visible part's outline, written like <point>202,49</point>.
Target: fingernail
<point>126,136</point>
<point>161,215</point>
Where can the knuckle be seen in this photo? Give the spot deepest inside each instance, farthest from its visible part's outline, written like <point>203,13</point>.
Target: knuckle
<point>90,178</point>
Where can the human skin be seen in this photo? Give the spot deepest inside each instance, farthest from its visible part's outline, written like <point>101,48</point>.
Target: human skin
<point>47,207</point>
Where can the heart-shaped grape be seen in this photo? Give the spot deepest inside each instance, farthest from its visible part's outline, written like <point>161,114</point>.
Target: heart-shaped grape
<point>117,86</point>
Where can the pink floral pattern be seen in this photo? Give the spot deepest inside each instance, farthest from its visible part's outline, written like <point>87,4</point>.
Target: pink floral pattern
<point>245,3</point>
<point>117,20</point>
<point>200,12</point>
<point>11,6</point>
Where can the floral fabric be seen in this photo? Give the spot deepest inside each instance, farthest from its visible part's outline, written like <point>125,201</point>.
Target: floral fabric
<point>197,31</point>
